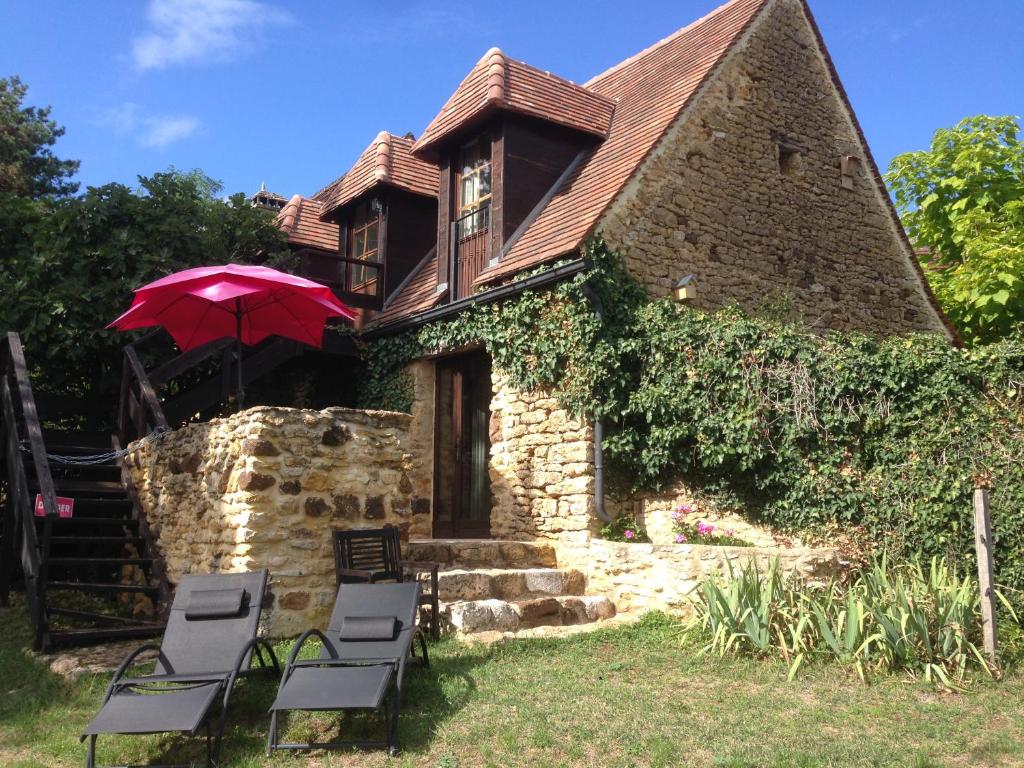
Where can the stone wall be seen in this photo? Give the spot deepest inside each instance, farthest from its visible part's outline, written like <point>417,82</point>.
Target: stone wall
<point>263,489</point>
<point>653,511</point>
<point>716,200</point>
<point>644,577</point>
<point>541,468</point>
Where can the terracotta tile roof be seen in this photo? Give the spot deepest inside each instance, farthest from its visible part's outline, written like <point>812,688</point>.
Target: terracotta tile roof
<point>650,89</point>
<point>418,294</point>
<point>498,82</point>
<point>388,160</point>
<point>300,220</point>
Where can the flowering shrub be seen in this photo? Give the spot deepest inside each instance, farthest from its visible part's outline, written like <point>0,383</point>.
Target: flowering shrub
<point>690,529</point>
<point>624,528</point>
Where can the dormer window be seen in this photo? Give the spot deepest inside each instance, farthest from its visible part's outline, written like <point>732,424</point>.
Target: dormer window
<point>363,250</point>
<point>474,186</point>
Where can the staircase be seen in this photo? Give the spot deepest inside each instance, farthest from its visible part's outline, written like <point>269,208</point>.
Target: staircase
<point>490,586</point>
<point>92,576</point>
<point>100,577</point>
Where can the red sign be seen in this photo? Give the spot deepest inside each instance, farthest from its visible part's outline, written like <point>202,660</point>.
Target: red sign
<point>65,506</point>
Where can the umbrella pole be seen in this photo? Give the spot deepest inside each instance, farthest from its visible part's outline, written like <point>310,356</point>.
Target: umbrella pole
<point>240,393</point>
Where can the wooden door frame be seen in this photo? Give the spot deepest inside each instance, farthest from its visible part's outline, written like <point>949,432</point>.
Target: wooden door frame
<point>452,359</point>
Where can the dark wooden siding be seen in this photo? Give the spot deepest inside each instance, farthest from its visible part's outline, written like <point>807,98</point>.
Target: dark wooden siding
<point>411,220</point>
<point>535,155</point>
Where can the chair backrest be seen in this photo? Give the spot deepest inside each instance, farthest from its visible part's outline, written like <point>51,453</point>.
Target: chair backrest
<point>366,600</point>
<point>378,550</point>
<point>194,644</point>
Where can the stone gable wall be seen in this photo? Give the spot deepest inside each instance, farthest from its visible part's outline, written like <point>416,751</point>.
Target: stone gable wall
<point>265,487</point>
<point>712,201</point>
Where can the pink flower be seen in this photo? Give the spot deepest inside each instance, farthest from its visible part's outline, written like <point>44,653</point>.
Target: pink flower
<point>730,533</point>
<point>629,534</point>
<point>685,508</point>
<point>677,515</point>
<point>680,538</point>
<point>704,529</point>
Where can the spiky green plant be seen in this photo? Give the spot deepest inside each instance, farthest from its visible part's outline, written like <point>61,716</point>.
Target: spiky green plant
<point>906,617</point>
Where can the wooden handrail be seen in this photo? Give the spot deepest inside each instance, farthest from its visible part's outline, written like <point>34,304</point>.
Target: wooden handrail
<point>139,407</point>
<point>35,554</point>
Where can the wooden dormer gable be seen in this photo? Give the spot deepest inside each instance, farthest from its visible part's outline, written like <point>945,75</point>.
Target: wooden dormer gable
<point>385,208</point>
<point>506,135</point>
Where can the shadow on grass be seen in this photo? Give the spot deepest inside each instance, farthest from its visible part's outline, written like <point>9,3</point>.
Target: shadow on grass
<point>430,697</point>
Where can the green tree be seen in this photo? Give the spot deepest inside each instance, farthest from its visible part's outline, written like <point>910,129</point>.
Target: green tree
<point>70,268</point>
<point>963,199</point>
<point>28,167</point>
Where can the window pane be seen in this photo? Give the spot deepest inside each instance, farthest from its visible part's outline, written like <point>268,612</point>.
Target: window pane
<point>371,239</point>
<point>484,182</point>
<point>360,245</point>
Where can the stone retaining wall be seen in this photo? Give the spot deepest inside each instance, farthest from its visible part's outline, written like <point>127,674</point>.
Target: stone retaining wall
<point>264,488</point>
<point>645,577</point>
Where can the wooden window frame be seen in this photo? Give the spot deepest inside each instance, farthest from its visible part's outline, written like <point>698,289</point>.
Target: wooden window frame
<point>464,209</point>
<point>368,260</point>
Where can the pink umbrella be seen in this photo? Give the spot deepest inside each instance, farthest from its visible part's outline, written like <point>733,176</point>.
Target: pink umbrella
<point>245,303</point>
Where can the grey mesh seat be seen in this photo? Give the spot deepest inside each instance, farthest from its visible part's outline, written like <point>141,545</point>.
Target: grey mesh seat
<point>361,664</point>
<point>210,639</point>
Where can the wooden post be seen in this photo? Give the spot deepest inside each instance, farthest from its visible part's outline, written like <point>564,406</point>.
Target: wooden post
<point>983,548</point>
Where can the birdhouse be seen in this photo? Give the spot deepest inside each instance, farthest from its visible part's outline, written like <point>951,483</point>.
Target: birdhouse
<point>686,289</point>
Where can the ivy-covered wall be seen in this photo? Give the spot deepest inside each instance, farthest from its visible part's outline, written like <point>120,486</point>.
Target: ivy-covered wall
<point>880,439</point>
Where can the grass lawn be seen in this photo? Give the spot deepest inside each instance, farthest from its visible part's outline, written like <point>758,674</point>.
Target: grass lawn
<point>631,696</point>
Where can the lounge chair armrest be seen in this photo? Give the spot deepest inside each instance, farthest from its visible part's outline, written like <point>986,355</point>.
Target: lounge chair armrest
<point>345,662</point>
<point>302,641</point>
<point>253,645</point>
<point>127,662</point>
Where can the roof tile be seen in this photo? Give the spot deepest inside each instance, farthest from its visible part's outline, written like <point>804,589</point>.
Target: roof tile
<point>300,220</point>
<point>388,160</point>
<point>498,82</point>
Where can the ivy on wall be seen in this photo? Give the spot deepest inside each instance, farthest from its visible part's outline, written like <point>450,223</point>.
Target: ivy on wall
<point>797,430</point>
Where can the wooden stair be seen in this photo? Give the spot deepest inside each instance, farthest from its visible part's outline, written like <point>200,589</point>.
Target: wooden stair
<point>101,583</point>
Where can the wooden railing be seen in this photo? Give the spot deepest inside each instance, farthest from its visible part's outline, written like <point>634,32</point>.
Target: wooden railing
<point>139,412</point>
<point>471,249</point>
<point>20,422</point>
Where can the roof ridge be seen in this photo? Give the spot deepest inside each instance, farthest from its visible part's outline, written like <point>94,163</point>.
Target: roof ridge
<point>495,60</point>
<point>289,215</point>
<point>382,160</point>
<point>664,41</point>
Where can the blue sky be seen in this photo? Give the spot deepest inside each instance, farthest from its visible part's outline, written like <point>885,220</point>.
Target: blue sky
<point>290,93</point>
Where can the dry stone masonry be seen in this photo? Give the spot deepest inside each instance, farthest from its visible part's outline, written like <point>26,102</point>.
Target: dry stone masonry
<point>265,487</point>
<point>541,468</point>
<point>749,192</point>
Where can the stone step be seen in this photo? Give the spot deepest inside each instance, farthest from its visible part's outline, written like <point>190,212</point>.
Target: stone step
<point>473,616</point>
<point>508,583</point>
<point>485,553</point>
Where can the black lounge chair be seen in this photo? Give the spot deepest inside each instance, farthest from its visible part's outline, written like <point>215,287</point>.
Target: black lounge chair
<point>361,664</point>
<point>209,640</point>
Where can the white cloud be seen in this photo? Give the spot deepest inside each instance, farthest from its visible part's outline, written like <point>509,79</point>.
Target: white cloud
<point>166,129</point>
<point>200,31</point>
<point>149,131</point>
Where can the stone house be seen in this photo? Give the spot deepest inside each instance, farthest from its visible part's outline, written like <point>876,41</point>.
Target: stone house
<point>727,151</point>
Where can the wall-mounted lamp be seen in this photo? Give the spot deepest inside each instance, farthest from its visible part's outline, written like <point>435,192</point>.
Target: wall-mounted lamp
<point>686,289</point>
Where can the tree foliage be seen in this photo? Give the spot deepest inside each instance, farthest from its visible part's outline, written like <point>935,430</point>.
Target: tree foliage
<point>70,268</point>
<point>28,167</point>
<point>963,199</point>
